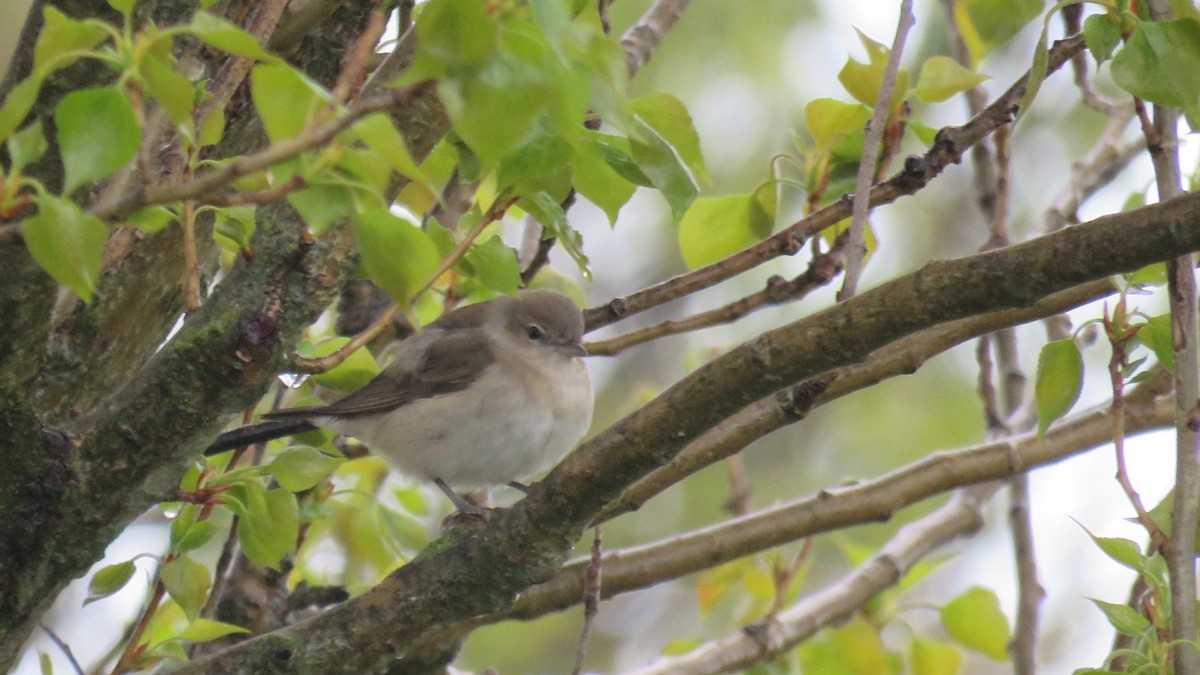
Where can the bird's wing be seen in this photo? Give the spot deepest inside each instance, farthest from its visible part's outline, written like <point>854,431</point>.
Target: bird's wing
<point>449,364</point>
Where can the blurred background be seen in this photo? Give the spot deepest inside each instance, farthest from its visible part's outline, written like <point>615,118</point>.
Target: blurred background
<point>746,70</point>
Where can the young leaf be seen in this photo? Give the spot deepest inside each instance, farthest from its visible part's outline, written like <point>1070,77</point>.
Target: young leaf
<point>669,118</point>
<point>196,536</point>
<point>269,525</point>
<point>1120,550</point>
<point>1059,381</point>
<point>941,77</point>
<point>715,227</point>
<point>151,219</point>
<point>1155,334</point>
<point>974,620</point>
<point>494,264</point>
<point>227,37</point>
<point>285,99</point>
<point>174,92</point>
<point>350,375</point>
<point>550,214</point>
<point>122,6</point>
<point>98,133</point>
<point>203,630</point>
<point>67,243</point>
<point>27,146</point>
<point>1126,620</point>
<point>1160,62</point>
<point>1037,72</point>
<point>322,204</point>
<point>396,253</point>
<point>378,132</point>
<point>17,104</point>
<point>828,120</point>
<point>596,179</point>
<point>301,467</point>
<point>1102,34</point>
<point>930,657</point>
<point>60,35</point>
<point>108,580</point>
<point>659,162</point>
<point>188,582</point>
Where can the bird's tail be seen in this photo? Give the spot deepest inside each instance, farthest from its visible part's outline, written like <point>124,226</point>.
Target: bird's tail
<point>257,433</point>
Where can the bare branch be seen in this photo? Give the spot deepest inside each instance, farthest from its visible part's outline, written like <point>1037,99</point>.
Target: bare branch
<point>857,252</point>
<point>865,502</point>
<point>791,405</point>
<point>643,38</point>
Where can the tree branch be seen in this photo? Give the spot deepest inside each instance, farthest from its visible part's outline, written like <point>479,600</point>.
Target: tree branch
<point>917,173</point>
<point>473,571</point>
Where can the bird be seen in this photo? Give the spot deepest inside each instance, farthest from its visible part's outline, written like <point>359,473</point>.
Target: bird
<point>487,395</point>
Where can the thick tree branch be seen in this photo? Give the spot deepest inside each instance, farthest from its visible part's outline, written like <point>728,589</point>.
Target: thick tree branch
<point>473,571</point>
<point>863,503</point>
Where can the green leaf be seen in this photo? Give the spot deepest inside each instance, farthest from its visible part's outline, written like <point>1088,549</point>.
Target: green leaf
<point>98,134</point>
<point>61,34</point>
<point>494,264</point>
<point>941,77</point>
<point>1160,62</point>
<point>669,119</point>
<point>1120,550</point>
<point>234,226</point>
<point>1037,72</point>
<point>596,179</point>
<point>863,81</point>
<point>227,37</point>
<point>26,146</point>
<point>550,214</point>
<point>1102,34</point>
<point>67,243</point>
<point>378,132</point>
<point>322,204</point>
<point>1155,334</point>
<point>397,255</point>
<point>108,580</point>
<point>301,467</point>
<point>828,120</point>
<point>350,375</point>
<point>269,525</point>
<point>1126,620</point>
<point>508,88</point>
<point>203,630</point>
<point>18,103</point>
<point>933,657</point>
<point>285,99</point>
<point>452,35</point>
<point>151,219</point>
<point>715,227</point>
<point>541,163</point>
<point>122,6</point>
<point>974,620</point>
<point>1059,381</point>
<point>174,92</point>
<point>1154,274</point>
<point>199,534</point>
<point>662,166</point>
<point>987,24</point>
<point>188,582</point>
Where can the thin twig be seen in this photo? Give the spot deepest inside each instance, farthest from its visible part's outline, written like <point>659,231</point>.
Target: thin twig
<point>758,643</point>
<point>947,149</point>
<point>357,60</point>
<point>821,271</point>
<point>63,647</point>
<point>279,151</point>
<point>981,154</point>
<point>857,249</point>
<point>591,597</point>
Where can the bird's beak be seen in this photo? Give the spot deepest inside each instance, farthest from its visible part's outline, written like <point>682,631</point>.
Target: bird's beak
<point>573,349</point>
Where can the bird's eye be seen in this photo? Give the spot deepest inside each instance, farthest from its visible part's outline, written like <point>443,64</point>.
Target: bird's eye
<point>535,332</point>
